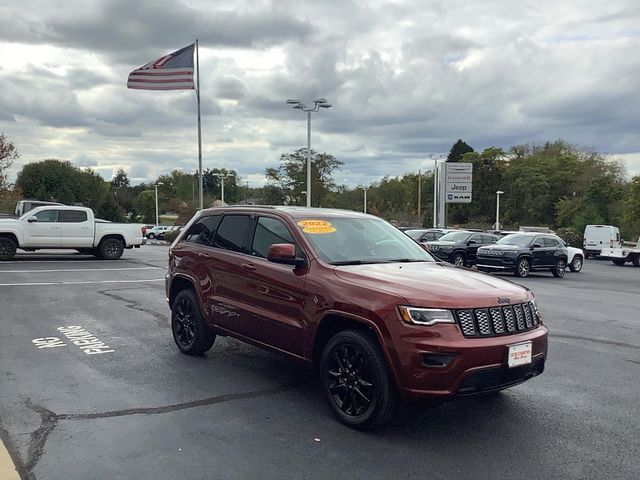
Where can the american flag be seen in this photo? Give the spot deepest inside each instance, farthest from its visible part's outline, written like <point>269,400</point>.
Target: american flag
<point>171,72</point>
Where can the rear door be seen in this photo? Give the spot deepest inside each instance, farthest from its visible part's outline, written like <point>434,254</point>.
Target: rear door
<point>76,229</point>
<point>45,232</point>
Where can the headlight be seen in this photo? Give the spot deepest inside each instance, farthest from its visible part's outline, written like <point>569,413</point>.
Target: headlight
<point>446,248</point>
<point>510,254</point>
<point>425,316</point>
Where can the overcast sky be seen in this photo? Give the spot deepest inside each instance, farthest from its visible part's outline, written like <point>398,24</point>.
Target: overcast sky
<point>406,78</point>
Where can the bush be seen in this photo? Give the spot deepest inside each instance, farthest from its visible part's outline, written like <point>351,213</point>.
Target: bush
<point>571,236</point>
<point>171,236</point>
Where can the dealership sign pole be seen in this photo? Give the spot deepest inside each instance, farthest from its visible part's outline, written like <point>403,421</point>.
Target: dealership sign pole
<point>455,186</point>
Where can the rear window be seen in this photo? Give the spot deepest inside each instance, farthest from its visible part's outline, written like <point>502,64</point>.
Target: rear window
<point>232,232</point>
<point>73,216</point>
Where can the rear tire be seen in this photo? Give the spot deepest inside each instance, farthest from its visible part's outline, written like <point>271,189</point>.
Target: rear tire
<point>523,267</point>
<point>356,380</point>
<point>576,264</point>
<point>191,334</point>
<point>635,260</point>
<point>619,261</point>
<point>111,249</point>
<point>7,248</point>
<point>559,270</point>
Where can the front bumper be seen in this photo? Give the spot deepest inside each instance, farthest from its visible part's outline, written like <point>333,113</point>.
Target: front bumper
<point>471,365</point>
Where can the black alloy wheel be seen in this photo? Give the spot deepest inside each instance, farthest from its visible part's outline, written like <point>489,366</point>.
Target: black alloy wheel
<point>7,248</point>
<point>187,325</point>
<point>523,268</point>
<point>356,380</point>
<point>576,264</point>
<point>458,260</point>
<point>111,249</point>
<point>560,269</point>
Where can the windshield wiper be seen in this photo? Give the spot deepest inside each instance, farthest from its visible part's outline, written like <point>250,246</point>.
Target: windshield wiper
<point>405,260</point>
<point>355,262</point>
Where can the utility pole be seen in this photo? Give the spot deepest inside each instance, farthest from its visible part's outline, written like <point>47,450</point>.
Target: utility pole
<point>419,198</point>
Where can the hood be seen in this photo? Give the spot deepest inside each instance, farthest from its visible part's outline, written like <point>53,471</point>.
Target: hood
<point>8,220</point>
<point>430,284</point>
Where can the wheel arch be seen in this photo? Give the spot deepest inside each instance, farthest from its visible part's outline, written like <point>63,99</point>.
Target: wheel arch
<point>334,322</point>
<point>11,236</point>
<point>117,236</point>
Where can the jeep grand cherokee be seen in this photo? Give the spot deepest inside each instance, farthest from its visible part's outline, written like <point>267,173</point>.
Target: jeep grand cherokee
<point>352,295</point>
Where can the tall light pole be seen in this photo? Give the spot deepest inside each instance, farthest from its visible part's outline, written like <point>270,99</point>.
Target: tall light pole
<point>222,176</point>
<point>317,105</point>
<point>419,197</point>
<point>498,193</point>
<point>364,189</point>
<point>156,187</point>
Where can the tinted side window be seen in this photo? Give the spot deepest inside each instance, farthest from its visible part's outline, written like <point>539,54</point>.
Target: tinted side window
<point>476,238</point>
<point>73,216</point>
<point>489,239</point>
<point>231,232</point>
<point>201,231</point>
<point>268,232</point>
<point>538,241</point>
<point>550,242</point>
<point>47,216</point>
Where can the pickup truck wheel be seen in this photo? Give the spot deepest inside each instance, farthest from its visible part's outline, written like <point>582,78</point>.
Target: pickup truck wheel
<point>576,264</point>
<point>7,248</point>
<point>619,261</point>
<point>356,380</point>
<point>636,260</point>
<point>187,324</point>
<point>560,269</point>
<point>458,260</point>
<point>522,268</point>
<point>111,249</point>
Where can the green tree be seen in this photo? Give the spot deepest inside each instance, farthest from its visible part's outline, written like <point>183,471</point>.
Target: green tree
<point>8,196</point>
<point>290,176</point>
<point>145,206</point>
<point>631,225</point>
<point>458,150</point>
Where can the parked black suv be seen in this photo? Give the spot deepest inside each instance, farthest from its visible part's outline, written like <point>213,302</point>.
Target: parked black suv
<point>522,253</point>
<point>459,247</point>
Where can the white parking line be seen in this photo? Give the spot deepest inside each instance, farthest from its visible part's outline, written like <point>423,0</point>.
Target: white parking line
<point>39,284</point>
<point>82,270</point>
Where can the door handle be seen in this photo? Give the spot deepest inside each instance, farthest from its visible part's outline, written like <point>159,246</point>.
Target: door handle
<point>249,266</point>
<point>203,255</point>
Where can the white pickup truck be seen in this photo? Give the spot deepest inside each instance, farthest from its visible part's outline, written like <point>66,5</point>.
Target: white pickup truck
<point>627,252</point>
<point>62,227</point>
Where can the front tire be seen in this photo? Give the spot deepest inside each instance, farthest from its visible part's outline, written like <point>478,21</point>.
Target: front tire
<point>458,260</point>
<point>619,261</point>
<point>636,260</point>
<point>191,334</point>
<point>356,380</point>
<point>576,264</point>
<point>523,267</point>
<point>111,249</point>
<point>7,248</point>
<point>559,270</point>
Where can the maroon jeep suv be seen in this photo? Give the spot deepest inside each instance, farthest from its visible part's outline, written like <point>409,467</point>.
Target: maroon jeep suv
<point>353,296</point>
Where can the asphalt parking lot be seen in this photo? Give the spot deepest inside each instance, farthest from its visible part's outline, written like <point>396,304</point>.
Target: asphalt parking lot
<point>127,405</point>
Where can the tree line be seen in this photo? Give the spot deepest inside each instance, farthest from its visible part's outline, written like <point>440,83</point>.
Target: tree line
<point>553,184</point>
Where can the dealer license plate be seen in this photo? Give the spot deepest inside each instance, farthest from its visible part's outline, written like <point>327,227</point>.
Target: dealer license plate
<point>519,354</point>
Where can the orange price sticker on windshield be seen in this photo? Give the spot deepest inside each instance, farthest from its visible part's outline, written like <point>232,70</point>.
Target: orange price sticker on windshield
<point>316,226</point>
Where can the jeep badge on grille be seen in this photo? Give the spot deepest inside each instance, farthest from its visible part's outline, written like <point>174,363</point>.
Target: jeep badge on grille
<point>504,300</point>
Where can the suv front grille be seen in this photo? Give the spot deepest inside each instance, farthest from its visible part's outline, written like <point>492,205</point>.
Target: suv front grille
<point>494,321</point>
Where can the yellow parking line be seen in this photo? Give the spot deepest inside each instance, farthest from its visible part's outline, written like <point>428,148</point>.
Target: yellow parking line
<point>7,469</point>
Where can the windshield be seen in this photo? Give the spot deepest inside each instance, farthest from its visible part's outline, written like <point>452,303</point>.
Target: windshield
<point>352,241</point>
<point>457,237</point>
<point>415,234</point>
<point>516,239</point>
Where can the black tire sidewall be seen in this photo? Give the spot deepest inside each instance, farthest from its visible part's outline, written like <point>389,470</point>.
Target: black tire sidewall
<point>571,265</point>
<point>12,247</point>
<point>557,273</point>
<point>383,398</point>
<point>103,247</point>
<point>204,338</point>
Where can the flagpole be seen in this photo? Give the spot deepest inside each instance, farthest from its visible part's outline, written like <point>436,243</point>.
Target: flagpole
<point>200,198</point>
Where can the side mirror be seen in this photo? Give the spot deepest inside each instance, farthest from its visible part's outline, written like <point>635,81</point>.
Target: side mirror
<point>536,245</point>
<point>32,219</point>
<point>284,253</point>
<point>472,242</point>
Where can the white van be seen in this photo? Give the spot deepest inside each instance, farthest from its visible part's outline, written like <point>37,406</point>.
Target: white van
<point>599,237</point>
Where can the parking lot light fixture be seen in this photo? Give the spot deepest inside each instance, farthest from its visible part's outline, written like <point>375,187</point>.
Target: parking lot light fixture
<point>317,105</point>
<point>156,187</point>
<point>222,176</point>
